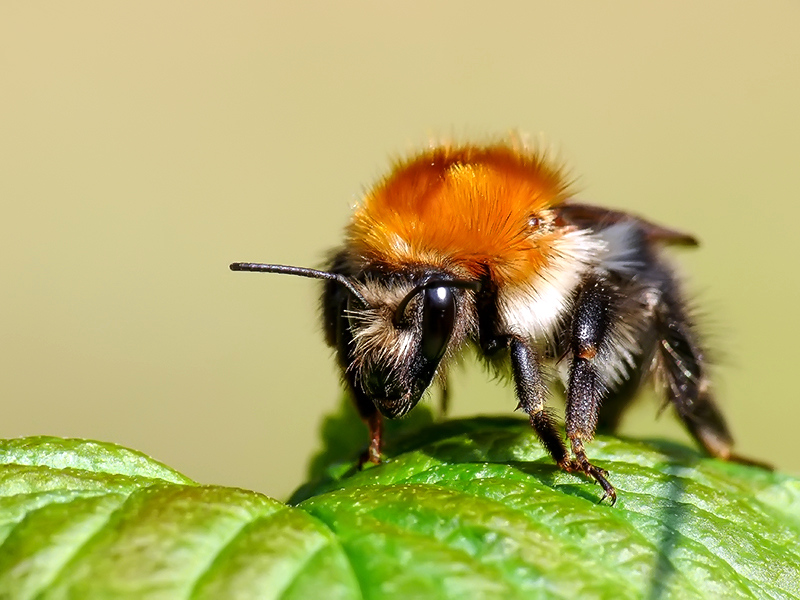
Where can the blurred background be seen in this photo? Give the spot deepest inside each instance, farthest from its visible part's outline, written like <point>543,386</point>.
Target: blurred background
<point>147,145</point>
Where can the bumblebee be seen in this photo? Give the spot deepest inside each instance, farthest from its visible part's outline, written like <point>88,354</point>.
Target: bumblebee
<point>484,246</point>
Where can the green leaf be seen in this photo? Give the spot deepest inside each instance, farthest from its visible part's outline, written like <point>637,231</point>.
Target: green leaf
<point>89,520</point>
<point>464,509</point>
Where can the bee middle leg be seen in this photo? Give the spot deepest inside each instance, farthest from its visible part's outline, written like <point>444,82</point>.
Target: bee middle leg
<point>587,387</point>
<point>531,393</point>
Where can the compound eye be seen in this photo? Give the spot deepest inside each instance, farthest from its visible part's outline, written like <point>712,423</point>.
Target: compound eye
<point>438,320</point>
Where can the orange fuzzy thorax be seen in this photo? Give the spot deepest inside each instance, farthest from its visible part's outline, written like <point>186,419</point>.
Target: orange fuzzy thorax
<point>465,209</point>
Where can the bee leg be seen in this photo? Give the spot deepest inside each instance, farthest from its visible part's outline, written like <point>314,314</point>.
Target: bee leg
<point>581,463</point>
<point>681,369</point>
<point>531,393</point>
<point>337,332</point>
<point>586,387</point>
<point>373,451</point>
<point>374,421</point>
<point>444,400</point>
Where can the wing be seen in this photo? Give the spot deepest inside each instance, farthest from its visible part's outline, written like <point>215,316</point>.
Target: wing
<point>589,216</point>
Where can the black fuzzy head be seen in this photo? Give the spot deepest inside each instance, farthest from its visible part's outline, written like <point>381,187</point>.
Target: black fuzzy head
<point>391,346</point>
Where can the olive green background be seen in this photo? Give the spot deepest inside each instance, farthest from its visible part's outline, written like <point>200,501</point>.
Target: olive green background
<point>145,145</point>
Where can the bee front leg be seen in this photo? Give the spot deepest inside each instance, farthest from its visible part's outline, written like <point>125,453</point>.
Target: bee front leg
<point>373,451</point>
<point>586,387</point>
<point>338,334</point>
<point>374,422</point>
<point>531,393</point>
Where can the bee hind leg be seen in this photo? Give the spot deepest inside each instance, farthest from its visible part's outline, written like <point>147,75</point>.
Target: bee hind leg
<point>681,370</point>
<point>680,366</point>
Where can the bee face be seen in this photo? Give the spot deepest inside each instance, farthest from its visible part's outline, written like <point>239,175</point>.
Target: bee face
<point>396,342</point>
<point>483,245</point>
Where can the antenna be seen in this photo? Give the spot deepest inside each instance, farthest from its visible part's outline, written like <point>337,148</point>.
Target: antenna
<point>302,272</point>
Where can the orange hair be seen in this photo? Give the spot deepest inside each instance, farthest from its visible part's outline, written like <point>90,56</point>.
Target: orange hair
<point>466,209</point>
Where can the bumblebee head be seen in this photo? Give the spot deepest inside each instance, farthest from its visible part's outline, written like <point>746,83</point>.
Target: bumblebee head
<point>400,336</point>
<point>391,330</point>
